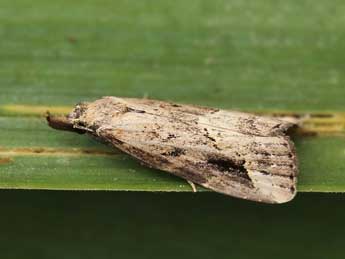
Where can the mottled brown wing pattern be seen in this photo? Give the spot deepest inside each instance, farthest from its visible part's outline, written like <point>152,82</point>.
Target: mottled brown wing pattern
<point>234,153</point>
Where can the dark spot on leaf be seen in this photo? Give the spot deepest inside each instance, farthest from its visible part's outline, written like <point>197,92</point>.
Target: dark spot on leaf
<point>38,150</point>
<point>321,115</point>
<point>71,39</point>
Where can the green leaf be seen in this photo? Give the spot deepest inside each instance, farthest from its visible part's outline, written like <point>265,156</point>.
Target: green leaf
<point>131,225</point>
<point>233,55</point>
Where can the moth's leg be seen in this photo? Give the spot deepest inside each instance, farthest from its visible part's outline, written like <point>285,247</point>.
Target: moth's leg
<point>98,131</point>
<point>192,185</point>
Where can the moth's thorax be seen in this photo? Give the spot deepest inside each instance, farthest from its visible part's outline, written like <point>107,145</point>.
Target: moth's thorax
<point>97,114</point>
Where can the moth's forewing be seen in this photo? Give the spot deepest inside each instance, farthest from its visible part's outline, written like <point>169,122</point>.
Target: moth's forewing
<point>234,153</point>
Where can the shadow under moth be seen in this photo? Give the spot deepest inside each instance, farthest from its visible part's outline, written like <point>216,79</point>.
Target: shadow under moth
<point>233,153</point>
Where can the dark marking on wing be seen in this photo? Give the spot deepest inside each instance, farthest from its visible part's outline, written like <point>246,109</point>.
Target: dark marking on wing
<point>272,174</point>
<point>129,109</point>
<point>208,136</point>
<point>234,167</point>
<point>169,137</point>
<point>174,152</point>
<point>175,105</point>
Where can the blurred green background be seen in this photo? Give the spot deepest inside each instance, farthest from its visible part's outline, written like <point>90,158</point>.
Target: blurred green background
<point>248,55</point>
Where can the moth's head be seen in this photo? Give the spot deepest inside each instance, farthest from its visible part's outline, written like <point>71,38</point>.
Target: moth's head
<point>78,111</point>
<point>76,120</point>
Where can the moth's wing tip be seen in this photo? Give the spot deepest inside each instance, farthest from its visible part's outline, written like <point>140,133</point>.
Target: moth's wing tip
<point>281,199</point>
<point>284,201</point>
<point>277,199</point>
<point>287,128</point>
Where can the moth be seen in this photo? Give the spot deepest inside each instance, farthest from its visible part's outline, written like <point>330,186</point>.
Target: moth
<point>230,152</point>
